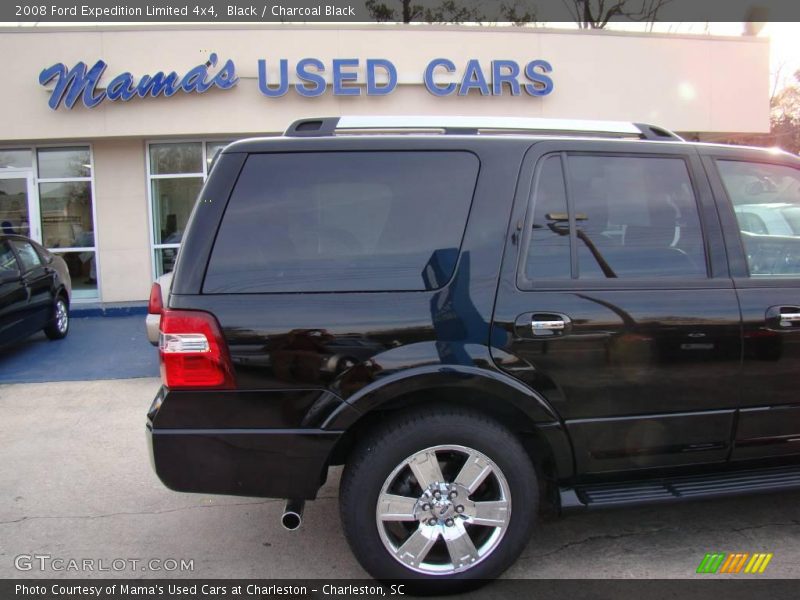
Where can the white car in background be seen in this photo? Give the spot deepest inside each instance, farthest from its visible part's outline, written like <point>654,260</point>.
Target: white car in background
<point>769,218</point>
<point>159,298</point>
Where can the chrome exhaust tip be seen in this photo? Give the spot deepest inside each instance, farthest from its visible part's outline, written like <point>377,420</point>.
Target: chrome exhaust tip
<point>292,516</point>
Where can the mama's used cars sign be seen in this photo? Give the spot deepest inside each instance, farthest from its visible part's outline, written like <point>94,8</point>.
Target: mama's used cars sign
<point>312,77</point>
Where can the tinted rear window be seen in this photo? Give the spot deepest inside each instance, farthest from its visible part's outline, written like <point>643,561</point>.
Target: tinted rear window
<point>344,221</point>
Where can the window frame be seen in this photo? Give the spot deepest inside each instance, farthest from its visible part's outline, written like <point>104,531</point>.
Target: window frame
<point>204,142</point>
<point>740,270</point>
<point>716,275</point>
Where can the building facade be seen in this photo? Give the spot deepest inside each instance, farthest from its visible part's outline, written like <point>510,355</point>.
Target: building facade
<point>109,133</point>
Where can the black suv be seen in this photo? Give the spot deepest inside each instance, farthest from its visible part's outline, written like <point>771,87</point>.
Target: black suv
<point>478,318</point>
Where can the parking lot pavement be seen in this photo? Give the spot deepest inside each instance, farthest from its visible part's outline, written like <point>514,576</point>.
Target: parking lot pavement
<point>76,483</point>
<point>95,348</point>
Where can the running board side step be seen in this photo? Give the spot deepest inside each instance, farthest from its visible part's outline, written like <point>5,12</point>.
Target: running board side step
<point>677,489</point>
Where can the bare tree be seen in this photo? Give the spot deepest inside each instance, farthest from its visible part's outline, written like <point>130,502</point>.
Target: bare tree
<point>448,11</point>
<point>784,121</point>
<point>595,14</point>
<point>785,117</point>
<point>406,11</point>
<point>518,12</point>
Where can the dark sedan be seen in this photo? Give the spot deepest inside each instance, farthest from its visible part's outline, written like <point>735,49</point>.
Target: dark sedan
<point>35,290</point>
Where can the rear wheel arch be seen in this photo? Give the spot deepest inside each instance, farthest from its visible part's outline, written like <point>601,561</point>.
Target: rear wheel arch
<point>523,412</point>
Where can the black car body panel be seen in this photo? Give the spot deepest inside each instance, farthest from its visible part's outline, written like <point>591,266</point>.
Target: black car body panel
<point>768,422</point>
<point>328,367</point>
<point>649,375</point>
<point>28,292</point>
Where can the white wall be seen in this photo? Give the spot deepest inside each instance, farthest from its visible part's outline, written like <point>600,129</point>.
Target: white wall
<point>122,235</point>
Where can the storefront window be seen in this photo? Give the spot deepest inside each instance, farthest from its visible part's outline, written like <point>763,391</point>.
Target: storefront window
<point>177,171</point>
<point>169,159</point>
<point>173,199</point>
<point>16,159</point>
<point>66,212</point>
<point>64,162</point>
<point>14,217</point>
<point>165,259</point>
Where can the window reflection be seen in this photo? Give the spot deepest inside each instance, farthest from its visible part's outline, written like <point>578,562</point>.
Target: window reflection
<point>766,201</point>
<point>344,221</point>
<point>82,268</point>
<point>636,217</point>
<point>16,159</point>
<point>66,210</point>
<point>175,158</point>
<point>173,200</point>
<point>212,149</point>
<point>57,163</point>
<point>14,207</point>
<point>166,258</point>
<point>8,262</point>
<point>548,252</point>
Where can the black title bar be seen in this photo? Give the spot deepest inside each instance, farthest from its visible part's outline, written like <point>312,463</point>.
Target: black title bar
<point>417,11</point>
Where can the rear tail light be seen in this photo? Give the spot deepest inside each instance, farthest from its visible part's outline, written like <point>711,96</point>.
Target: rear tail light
<point>156,304</point>
<point>193,352</point>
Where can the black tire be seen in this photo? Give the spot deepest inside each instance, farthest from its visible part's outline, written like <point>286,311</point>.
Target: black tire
<point>58,327</point>
<point>381,454</point>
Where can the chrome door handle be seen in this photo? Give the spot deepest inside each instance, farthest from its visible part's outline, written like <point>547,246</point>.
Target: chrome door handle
<point>788,319</point>
<point>555,325</point>
<point>783,318</point>
<point>542,325</point>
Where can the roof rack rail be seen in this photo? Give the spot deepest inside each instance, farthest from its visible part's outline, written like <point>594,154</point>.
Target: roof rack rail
<point>330,126</point>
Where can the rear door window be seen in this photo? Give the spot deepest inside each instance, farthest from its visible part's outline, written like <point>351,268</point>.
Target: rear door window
<point>636,217</point>
<point>602,216</point>
<point>343,221</point>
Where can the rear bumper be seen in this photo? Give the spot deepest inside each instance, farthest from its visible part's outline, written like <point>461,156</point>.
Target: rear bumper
<point>262,463</point>
<point>239,443</point>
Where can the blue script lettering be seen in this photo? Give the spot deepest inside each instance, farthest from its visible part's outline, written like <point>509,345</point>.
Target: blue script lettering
<point>81,83</point>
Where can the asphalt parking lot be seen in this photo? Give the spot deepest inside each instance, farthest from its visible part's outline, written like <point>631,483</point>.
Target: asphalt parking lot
<point>96,348</point>
<point>76,483</point>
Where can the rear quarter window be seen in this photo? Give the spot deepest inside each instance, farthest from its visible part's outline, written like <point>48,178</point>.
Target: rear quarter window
<point>343,221</point>
<point>27,255</point>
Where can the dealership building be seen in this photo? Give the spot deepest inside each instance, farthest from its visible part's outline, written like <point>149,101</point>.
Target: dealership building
<point>110,132</point>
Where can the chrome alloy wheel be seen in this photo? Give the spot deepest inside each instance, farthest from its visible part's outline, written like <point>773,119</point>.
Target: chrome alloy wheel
<point>62,316</point>
<point>443,510</point>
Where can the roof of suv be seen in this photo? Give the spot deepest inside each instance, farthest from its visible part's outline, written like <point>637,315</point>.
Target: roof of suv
<point>327,128</point>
